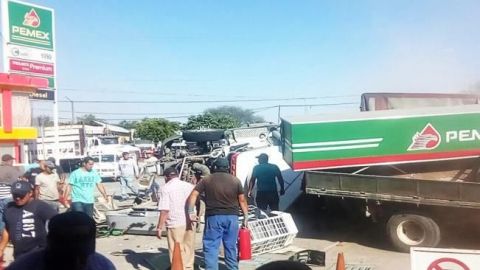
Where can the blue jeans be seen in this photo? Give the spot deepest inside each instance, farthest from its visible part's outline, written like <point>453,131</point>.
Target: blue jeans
<point>127,181</point>
<point>3,204</point>
<point>225,228</point>
<point>86,208</point>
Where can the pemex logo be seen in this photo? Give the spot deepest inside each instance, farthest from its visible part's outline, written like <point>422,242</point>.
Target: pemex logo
<point>427,139</point>
<point>31,19</point>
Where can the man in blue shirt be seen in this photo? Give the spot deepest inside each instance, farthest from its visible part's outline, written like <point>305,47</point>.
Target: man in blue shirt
<point>266,175</point>
<point>81,187</point>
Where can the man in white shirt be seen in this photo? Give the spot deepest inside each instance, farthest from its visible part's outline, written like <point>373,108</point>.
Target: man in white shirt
<point>128,172</point>
<point>47,185</point>
<point>172,206</point>
<point>152,169</point>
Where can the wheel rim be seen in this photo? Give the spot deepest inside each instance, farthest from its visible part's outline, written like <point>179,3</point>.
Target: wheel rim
<point>411,233</point>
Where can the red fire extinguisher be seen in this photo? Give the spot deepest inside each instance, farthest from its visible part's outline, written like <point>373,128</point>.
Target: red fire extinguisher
<point>244,244</point>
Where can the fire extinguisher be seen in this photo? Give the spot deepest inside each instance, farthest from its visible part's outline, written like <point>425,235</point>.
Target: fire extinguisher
<point>244,244</point>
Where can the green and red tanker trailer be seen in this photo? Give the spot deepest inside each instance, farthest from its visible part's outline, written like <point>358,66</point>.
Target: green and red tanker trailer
<point>414,169</point>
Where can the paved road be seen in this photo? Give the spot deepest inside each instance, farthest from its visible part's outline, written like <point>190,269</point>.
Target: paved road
<point>361,242</point>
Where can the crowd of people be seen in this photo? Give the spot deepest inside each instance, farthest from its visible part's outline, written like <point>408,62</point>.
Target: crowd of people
<point>30,220</point>
<point>30,203</point>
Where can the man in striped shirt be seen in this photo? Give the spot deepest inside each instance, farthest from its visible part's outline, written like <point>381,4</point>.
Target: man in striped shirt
<point>8,175</point>
<point>172,206</point>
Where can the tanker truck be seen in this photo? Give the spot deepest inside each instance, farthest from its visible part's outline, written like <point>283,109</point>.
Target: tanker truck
<point>412,168</point>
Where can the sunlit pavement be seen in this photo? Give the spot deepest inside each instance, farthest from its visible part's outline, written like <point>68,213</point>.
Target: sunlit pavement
<point>360,249</point>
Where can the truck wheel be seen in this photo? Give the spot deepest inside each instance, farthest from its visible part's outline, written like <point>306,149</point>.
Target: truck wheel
<point>409,230</point>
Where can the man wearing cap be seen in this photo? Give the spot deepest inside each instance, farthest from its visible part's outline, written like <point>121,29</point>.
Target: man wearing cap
<point>172,202</point>
<point>152,169</point>
<point>9,173</point>
<point>81,186</point>
<point>223,196</point>
<point>33,170</point>
<point>47,185</point>
<point>70,245</point>
<point>267,192</point>
<point>128,172</point>
<point>25,219</point>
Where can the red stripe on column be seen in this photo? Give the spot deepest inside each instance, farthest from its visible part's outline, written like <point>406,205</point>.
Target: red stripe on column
<point>351,162</point>
<point>7,110</point>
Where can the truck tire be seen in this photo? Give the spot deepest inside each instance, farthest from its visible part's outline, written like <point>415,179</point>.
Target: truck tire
<point>411,230</point>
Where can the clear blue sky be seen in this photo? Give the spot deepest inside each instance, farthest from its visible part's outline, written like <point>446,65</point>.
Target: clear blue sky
<point>218,50</point>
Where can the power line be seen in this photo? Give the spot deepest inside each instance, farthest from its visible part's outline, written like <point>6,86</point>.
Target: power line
<point>172,93</point>
<point>119,113</point>
<point>134,119</point>
<point>189,101</point>
<point>176,93</point>
<point>317,105</point>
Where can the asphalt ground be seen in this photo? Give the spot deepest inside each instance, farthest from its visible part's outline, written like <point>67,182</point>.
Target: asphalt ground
<point>363,243</point>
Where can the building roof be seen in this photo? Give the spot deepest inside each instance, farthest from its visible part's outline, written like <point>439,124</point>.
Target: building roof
<point>113,128</point>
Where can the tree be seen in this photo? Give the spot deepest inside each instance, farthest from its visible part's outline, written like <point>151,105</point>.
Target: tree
<point>43,121</point>
<point>209,120</point>
<point>87,119</point>
<point>242,116</point>
<point>128,124</point>
<point>156,129</point>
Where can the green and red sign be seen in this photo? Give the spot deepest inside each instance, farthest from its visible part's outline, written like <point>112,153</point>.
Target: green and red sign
<point>382,140</point>
<point>30,25</point>
<point>29,45</point>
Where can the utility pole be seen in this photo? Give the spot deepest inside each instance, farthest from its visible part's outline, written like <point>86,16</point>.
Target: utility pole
<point>279,108</point>
<point>72,109</point>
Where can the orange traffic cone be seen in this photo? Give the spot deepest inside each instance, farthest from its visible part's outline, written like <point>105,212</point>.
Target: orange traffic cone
<point>340,262</point>
<point>177,263</point>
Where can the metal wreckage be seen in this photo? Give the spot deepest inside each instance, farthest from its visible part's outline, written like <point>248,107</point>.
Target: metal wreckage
<point>193,153</point>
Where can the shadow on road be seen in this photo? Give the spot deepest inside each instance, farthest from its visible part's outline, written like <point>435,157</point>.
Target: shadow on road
<point>158,260</point>
<point>320,219</point>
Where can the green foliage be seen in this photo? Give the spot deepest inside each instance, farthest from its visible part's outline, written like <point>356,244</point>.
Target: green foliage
<point>242,116</point>
<point>87,119</point>
<point>209,120</point>
<point>156,129</point>
<point>128,124</point>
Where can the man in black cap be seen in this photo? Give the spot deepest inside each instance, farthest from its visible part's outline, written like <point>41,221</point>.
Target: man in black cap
<point>9,173</point>
<point>25,219</point>
<point>34,170</point>
<point>223,198</point>
<point>70,245</point>
<point>267,191</point>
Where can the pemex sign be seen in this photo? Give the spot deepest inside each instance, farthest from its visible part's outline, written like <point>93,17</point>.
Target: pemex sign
<point>29,44</point>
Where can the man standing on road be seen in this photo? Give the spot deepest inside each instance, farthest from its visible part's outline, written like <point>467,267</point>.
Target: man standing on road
<point>47,185</point>
<point>70,245</point>
<point>81,185</point>
<point>9,173</point>
<point>151,169</point>
<point>223,195</point>
<point>128,172</point>
<point>172,206</point>
<point>58,169</point>
<point>26,219</point>
<point>267,192</point>
<point>33,170</point>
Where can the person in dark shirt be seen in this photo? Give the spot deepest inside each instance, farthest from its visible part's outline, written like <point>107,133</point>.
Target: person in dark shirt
<point>70,245</point>
<point>32,173</point>
<point>267,192</point>
<point>223,196</point>
<point>25,219</point>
